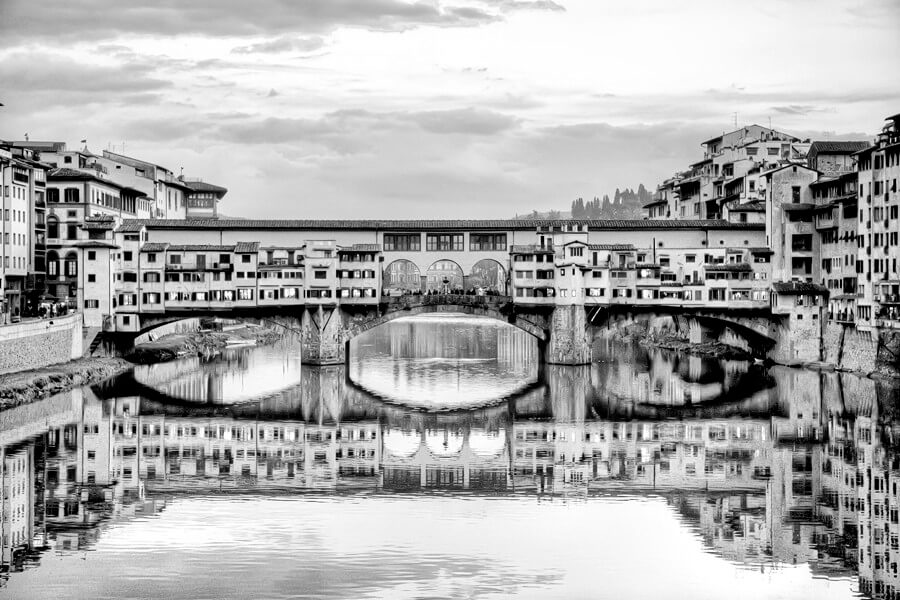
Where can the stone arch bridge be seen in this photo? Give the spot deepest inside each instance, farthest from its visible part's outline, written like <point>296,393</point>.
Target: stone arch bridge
<point>563,332</point>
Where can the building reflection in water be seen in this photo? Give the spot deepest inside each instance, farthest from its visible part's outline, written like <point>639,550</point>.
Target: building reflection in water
<point>803,471</point>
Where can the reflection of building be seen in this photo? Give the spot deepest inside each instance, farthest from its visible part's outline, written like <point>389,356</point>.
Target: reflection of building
<point>811,482</point>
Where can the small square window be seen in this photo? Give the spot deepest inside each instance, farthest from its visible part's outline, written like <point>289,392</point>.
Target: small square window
<point>92,255</point>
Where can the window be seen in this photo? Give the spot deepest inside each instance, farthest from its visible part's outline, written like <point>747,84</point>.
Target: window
<point>71,232</point>
<point>690,258</point>
<point>175,259</point>
<point>129,276</point>
<point>92,255</point>
<point>245,258</point>
<point>442,242</point>
<point>128,255</point>
<point>318,274</point>
<point>245,293</point>
<point>487,241</point>
<point>576,251</point>
<point>92,278</point>
<point>151,257</point>
<point>91,303</point>
<point>795,194</point>
<point>72,195</point>
<point>152,277</point>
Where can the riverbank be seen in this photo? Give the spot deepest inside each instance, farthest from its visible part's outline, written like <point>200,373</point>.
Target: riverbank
<point>705,349</point>
<point>35,384</point>
<point>201,343</point>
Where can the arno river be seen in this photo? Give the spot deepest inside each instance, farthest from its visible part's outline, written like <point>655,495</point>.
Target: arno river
<point>444,462</point>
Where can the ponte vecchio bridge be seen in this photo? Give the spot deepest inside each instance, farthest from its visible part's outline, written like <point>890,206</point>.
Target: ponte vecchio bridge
<point>332,280</point>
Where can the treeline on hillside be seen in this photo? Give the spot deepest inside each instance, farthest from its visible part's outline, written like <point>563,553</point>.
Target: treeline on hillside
<point>625,204</point>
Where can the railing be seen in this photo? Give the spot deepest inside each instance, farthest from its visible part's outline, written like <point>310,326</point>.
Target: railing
<point>411,300</point>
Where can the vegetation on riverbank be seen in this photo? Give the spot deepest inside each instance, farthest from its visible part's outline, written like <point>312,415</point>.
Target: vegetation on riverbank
<point>202,343</point>
<point>27,386</point>
<point>678,343</point>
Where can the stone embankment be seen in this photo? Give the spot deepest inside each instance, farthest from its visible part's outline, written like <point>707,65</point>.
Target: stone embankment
<point>202,343</point>
<point>34,384</point>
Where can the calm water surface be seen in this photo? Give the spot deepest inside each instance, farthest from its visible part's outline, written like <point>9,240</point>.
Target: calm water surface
<point>445,462</point>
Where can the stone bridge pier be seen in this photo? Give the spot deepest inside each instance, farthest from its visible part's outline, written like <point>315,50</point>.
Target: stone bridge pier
<point>561,331</point>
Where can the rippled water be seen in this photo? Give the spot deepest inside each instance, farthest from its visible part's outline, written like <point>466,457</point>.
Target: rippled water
<point>644,475</point>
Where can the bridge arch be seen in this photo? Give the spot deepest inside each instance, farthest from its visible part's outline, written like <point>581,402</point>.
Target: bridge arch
<point>402,274</point>
<point>489,275</point>
<point>444,276</point>
<point>478,310</point>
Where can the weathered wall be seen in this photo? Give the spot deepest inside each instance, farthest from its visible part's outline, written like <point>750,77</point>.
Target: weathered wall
<point>568,344</point>
<point>887,360</point>
<point>799,340</point>
<point>37,344</point>
<point>858,350</point>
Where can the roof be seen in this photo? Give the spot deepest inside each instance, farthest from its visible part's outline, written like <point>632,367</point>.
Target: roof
<point>154,247</point>
<point>761,250</point>
<point>246,247</point>
<point>67,173</point>
<point>752,206</point>
<point>799,287</point>
<point>361,248</point>
<point>797,206</point>
<point>199,248</point>
<point>201,186</point>
<point>131,225</point>
<point>834,147</point>
<point>654,202</point>
<point>728,267</point>
<point>610,247</point>
<point>95,244</point>
<point>98,225</point>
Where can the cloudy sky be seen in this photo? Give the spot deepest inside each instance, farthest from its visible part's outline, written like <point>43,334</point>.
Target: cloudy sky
<point>437,108</point>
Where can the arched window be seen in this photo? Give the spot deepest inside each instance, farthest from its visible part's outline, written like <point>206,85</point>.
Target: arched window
<point>402,275</point>
<point>71,265</point>
<point>488,275</point>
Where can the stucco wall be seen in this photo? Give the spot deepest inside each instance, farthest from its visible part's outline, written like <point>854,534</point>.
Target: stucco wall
<point>40,343</point>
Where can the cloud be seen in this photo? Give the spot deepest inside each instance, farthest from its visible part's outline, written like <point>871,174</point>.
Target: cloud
<point>49,72</point>
<point>800,109</point>
<point>468,121</point>
<point>108,19</point>
<point>283,44</point>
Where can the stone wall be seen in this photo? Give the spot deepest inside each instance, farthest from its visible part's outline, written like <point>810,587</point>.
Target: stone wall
<point>36,344</point>
<point>858,350</point>
<point>876,351</point>
<point>799,339</point>
<point>887,360</point>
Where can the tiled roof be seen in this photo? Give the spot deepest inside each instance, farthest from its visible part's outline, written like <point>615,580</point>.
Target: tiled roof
<point>66,173</point>
<point>361,248</point>
<point>728,267</point>
<point>401,225</point>
<point>201,186</point>
<point>752,206</point>
<point>95,244</point>
<point>98,225</point>
<point>154,247</point>
<point>610,247</point>
<point>835,147</point>
<point>799,287</point>
<point>200,248</point>
<point>246,247</point>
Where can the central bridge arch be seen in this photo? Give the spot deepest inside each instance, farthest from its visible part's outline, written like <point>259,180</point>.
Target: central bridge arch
<point>492,307</point>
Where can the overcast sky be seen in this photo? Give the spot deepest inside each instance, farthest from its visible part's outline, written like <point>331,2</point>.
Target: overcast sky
<point>437,108</point>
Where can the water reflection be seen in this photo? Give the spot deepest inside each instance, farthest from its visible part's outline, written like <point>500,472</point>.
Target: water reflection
<point>444,361</point>
<point>789,488</point>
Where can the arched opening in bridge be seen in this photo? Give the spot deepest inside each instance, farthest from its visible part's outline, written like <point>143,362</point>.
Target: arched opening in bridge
<point>402,276</point>
<point>439,360</point>
<point>488,276</point>
<point>444,277</point>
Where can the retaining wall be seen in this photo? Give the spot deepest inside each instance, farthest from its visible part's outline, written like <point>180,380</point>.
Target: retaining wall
<point>36,344</point>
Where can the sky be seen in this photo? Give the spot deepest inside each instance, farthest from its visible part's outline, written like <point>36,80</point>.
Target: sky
<point>437,108</point>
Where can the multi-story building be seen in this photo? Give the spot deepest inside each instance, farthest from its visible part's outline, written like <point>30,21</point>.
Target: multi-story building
<point>878,230</point>
<point>22,232</point>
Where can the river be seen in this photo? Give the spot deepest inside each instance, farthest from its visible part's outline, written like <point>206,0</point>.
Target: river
<point>445,462</point>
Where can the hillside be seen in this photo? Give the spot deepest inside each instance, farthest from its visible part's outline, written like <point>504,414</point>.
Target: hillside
<point>625,204</point>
